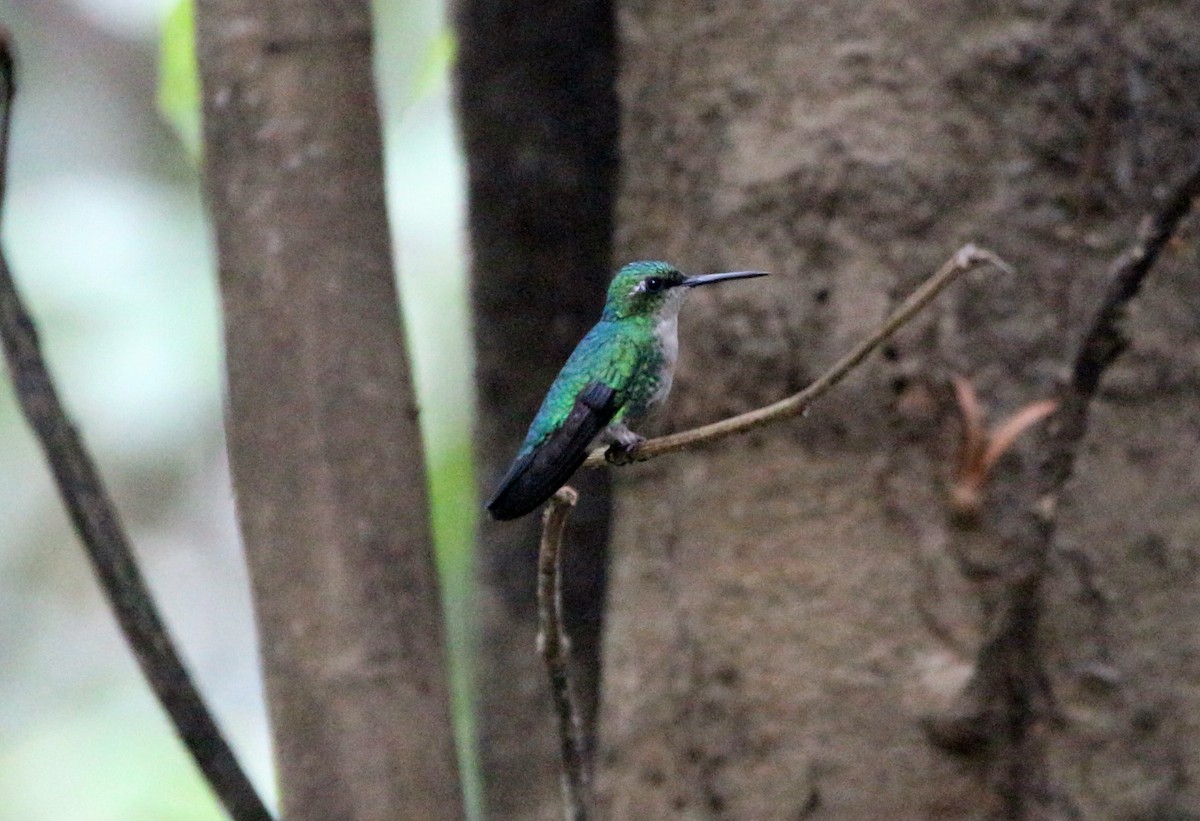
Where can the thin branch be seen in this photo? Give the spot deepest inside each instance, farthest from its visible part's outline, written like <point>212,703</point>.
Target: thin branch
<point>965,259</point>
<point>96,522</point>
<point>555,650</point>
<point>1104,340</point>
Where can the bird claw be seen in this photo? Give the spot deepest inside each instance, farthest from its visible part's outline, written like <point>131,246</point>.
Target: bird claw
<point>623,451</point>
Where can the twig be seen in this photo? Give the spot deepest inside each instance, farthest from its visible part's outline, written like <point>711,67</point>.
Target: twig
<point>963,260</point>
<point>96,522</point>
<point>1104,340</point>
<point>555,650</point>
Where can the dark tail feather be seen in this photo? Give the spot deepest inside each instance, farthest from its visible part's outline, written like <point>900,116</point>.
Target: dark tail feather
<point>535,476</point>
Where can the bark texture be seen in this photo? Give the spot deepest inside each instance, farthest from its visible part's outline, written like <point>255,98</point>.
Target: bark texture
<point>796,616</point>
<point>538,108</point>
<point>322,424</point>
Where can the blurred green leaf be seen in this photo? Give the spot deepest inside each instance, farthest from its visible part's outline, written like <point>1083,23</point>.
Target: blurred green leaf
<point>453,501</point>
<point>179,76</point>
<point>435,63</point>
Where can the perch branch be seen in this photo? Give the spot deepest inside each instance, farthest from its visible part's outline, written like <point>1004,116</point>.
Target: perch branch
<point>963,260</point>
<point>555,650</point>
<point>99,529</point>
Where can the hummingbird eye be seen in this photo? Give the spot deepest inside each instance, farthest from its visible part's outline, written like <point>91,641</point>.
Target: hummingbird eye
<point>655,284</point>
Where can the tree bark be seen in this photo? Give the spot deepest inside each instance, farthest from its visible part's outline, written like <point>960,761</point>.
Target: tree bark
<point>322,423</point>
<point>539,118</point>
<point>791,611</point>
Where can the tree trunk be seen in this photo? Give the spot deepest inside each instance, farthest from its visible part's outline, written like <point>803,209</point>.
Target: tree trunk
<point>323,436</point>
<point>538,110</point>
<point>795,614</point>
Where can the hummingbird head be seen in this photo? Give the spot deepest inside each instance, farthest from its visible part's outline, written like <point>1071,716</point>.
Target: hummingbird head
<point>651,288</point>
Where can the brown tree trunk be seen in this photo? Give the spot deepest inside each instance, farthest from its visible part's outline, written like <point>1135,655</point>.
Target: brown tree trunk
<point>538,110</point>
<point>324,443</point>
<point>789,610</point>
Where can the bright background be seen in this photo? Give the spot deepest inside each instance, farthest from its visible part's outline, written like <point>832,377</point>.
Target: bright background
<point>105,232</point>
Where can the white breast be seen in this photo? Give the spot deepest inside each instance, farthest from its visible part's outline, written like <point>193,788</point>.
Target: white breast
<point>667,331</point>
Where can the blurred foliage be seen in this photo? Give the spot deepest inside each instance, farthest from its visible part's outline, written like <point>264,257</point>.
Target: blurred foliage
<point>179,76</point>
<point>179,73</point>
<point>439,57</point>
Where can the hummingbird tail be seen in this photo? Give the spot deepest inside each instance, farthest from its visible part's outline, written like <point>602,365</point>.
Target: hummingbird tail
<point>538,474</point>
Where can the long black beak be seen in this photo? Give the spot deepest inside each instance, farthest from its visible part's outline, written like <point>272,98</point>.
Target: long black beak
<point>707,279</point>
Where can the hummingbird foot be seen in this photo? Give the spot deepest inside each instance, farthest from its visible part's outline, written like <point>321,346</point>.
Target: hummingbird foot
<point>624,446</point>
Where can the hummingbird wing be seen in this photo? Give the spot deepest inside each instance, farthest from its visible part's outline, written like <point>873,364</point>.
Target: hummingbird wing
<point>534,477</point>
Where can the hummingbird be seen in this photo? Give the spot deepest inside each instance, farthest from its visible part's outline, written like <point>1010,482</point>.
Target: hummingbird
<point>619,372</point>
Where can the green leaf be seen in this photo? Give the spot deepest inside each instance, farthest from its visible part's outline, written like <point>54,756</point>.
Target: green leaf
<point>435,63</point>
<point>179,76</point>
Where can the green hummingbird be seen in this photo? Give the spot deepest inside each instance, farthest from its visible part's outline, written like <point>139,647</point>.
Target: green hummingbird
<point>619,372</point>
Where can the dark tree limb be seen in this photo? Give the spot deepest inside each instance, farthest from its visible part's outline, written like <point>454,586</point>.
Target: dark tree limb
<point>95,519</point>
<point>537,104</point>
<point>1009,692</point>
<point>554,647</point>
<point>1105,340</point>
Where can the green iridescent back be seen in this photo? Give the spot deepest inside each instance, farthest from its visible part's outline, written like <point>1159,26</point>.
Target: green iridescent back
<point>622,350</point>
